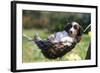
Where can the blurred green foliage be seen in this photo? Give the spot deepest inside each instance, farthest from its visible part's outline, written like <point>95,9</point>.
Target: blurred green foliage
<point>54,21</point>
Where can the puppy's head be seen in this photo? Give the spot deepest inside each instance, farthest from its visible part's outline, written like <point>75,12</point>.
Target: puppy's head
<point>73,29</point>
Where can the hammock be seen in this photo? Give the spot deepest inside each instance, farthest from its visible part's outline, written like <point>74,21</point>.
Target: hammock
<point>49,49</point>
<point>53,51</point>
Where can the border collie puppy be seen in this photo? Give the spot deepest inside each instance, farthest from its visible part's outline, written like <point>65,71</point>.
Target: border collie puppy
<point>71,34</point>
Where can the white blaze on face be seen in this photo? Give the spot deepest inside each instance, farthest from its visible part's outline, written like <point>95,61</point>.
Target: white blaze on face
<point>73,30</point>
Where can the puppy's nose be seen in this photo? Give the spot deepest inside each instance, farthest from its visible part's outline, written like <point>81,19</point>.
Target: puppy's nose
<point>70,32</point>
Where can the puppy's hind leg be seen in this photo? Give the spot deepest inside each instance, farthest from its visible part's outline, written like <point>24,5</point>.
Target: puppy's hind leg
<point>37,37</point>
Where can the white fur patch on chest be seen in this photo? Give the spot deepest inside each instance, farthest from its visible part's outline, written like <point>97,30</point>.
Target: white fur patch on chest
<point>63,38</point>
<point>59,36</point>
<point>67,41</point>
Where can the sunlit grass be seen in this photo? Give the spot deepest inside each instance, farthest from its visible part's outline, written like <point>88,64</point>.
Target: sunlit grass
<point>31,53</point>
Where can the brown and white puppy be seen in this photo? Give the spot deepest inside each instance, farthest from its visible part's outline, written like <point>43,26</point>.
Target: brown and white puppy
<point>74,30</point>
<point>71,34</point>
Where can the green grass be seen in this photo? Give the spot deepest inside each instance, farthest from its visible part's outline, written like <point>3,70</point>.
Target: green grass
<point>31,53</point>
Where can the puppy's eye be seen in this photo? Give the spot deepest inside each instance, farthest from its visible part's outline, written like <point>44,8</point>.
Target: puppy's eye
<point>75,26</point>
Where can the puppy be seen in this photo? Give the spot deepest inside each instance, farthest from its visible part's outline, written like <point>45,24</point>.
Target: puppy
<point>71,34</point>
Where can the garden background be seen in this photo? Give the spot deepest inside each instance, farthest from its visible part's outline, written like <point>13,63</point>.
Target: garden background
<point>49,22</point>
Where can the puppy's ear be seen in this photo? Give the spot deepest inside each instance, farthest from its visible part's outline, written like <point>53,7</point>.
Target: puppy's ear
<point>67,27</point>
<point>80,31</point>
<point>78,38</point>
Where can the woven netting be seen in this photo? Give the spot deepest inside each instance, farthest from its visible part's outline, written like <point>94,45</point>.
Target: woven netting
<point>53,51</point>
